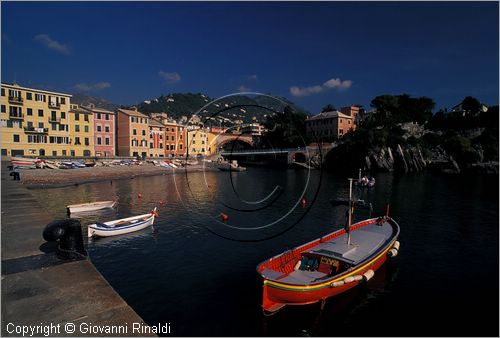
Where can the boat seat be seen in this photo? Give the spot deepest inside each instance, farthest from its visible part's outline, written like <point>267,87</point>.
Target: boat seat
<point>104,225</point>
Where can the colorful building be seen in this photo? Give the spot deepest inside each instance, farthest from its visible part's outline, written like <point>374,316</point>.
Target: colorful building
<point>156,139</point>
<point>175,139</point>
<point>35,122</point>
<point>198,142</point>
<point>104,131</point>
<point>329,125</point>
<point>81,131</point>
<point>132,133</point>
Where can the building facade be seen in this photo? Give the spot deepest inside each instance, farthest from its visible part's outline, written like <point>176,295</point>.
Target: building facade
<point>329,125</point>
<point>198,142</point>
<point>175,140</point>
<point>104,131</point>
<point>35,122</point>
<point>156,139</point>
<point>81,131</point>
<point>132,133</point>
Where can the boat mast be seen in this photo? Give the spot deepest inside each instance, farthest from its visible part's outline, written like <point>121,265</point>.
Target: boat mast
<point>350,212</point>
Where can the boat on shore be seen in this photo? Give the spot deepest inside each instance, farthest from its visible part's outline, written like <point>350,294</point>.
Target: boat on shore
<point>122,226</point>
<point>25,162</point>
<point>92,206</point>
<point>330,265</point>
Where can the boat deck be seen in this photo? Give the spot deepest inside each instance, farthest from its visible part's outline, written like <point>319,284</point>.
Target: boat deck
<point>364,242</point>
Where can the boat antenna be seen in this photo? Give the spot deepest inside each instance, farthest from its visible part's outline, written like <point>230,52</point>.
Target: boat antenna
<point>350,212</point>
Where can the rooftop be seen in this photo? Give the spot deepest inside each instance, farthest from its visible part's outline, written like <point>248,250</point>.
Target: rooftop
<point>130,112</point>
<point>16,86</point>
<point>329,115</point>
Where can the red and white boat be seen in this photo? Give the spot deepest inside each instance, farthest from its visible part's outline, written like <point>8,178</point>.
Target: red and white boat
<point>25,162</point>
<point>329,265</point>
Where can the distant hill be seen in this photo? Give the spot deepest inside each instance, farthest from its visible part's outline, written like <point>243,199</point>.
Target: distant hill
<point>247,109</point>
<point>85,100</point>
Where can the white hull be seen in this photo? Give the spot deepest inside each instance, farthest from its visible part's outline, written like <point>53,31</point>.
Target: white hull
<point>121,226</point>
<point>91,206</point>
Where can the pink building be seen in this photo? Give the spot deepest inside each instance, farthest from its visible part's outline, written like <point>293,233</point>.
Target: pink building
<point>104,132</point>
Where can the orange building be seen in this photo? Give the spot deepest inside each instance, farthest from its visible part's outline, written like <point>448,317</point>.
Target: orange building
<point>175,139</point>
<point>132,133</point>
<point>329,125</point>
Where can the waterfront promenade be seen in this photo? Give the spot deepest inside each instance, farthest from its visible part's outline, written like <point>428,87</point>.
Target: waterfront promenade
<point>38,288</point>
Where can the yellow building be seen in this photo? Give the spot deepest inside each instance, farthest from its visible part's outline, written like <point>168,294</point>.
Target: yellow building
<point>34,122</point>
<point>197,142</point>
<point>81,131</point>
<point>212,141</point>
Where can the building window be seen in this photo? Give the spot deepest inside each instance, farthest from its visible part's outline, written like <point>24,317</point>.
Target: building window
<point>77,128</point>
<point>72,152</point>
<point>106,129</point>
<point>106,116</point>
<point>173,138</point>
<point>3,92</point>
<point>64,152</point>
<point>98,128</point>
<point>143,133</point>
<point>3,108</point>
<point>99,141</point>
<point>40,112</point>
<point>53,126</point>
<point>151,145</point>
<point>106,141</point>
<point>63,115</point>
<point>29,96</point>
<point>134,131</point>
<point>98,116</point>
<point>77,142</point>
<point>180,146</point>
<point>172,147</point>
<point>77,117</point>
<point>86,117</point>
<point>40,124</point>
<point>194,141</point>
<point>16,138</point>
<point>87,142</point>
<point>86,129</point>
<point>54,152</point>
<point>63,100</point>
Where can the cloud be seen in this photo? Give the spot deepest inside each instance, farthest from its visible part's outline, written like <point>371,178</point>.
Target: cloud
<point>244,88</point>
<point>170,77</point>
<point>50,43</point>
<point>83,87</point>
<point>330,84</point>
<point>253,77</point>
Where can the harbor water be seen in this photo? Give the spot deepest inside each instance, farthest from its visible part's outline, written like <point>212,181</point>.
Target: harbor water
<point>199,274</point>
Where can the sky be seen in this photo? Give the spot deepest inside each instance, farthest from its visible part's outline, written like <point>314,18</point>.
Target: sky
<point>313,53</point>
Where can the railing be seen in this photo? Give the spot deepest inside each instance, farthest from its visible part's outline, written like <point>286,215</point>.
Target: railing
<point>54,120</point>
<point>54,105</point>
<point>36,130</point>
<point>18,116</point>
<point>15,99</point>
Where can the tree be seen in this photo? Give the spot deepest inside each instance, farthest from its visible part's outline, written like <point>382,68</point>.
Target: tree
<point>471,104</point>
<point>287,129</point>
<point>328,107</point>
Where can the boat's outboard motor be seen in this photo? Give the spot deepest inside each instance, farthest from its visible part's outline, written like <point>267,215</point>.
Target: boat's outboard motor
<point>69,234</point>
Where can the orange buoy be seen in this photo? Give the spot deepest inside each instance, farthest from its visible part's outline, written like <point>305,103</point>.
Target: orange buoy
<point>139,195</point>
<point>303,203</point>
<point>224,216</point>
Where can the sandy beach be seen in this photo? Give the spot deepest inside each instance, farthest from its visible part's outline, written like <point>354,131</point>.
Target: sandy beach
<point>47,178</point>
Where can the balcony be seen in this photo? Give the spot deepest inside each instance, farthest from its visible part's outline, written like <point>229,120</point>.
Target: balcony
<point>16,116</point>
<point>54,120</point>
<point>54,105</point>
<point>33,130</point>
<point>15,99</point>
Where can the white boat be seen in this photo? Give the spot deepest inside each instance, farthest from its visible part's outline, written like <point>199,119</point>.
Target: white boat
<point>122,226</point>
<point>91,206</point>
